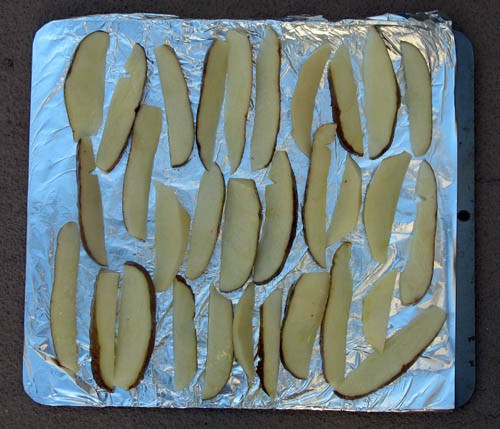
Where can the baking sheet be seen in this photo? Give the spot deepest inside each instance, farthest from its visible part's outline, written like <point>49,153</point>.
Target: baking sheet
<point>52,195</point>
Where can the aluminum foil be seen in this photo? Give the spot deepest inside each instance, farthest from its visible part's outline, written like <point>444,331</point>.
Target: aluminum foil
<point>52,201</point>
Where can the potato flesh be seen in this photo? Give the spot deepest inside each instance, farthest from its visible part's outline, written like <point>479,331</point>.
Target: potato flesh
<point>242,332</point>
<point>63,297</point>
<point>381,201</point>
<point>206,222</point>
<point>418,97</point>
<point>84,85</point>
<point>239,90</point>
<point>346,212</point>
<point>171,236</point>
<point>334,330</point>
<point>267,101</point>
<point>177,105</point>
<point>417,276</point>
<point>279,222</point>
<point>303,318</point>
<point>240,233</point>
<point>401,350</point>
<point>121,113</point>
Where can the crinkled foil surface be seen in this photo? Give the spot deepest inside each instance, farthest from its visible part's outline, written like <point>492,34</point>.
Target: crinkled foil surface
<point>52,201</point>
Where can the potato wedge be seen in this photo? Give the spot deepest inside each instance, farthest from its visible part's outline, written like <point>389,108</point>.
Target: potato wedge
<point>242,332</point>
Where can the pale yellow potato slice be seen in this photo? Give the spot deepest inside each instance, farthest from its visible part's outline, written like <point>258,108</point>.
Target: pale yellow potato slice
<point>242,332</point>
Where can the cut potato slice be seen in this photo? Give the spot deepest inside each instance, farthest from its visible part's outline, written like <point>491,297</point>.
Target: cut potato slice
<point>269,342</point>
<point>240,233</point>
<point>63,298</point>
<point>304,97</point>
<point>381,95</point>
<point>102,328</point>
<point>305,309</point>
<point>376,308</point>
<point>417,275</point>
<point>243,333</point>
<point>185,355</point>
<point>220,344</point>
<point>90,204</point>
<point>346,212</point>
<point>280,222</point>
<point>206,222</point>
<point>334,329</point>
<point>418,97</point>
<point>177,106</point>
<point>314,210</point>
<point>121,113</point>
<point>171,236</point>
<point>239,90</point>
<point>345,101</point>
<point>84,85</point>
<point>401,351</point>
<point>137,181</point>
<point>381,201</point>
<point>212,95</point>
<point>136,326</point>
<point>267,101</point>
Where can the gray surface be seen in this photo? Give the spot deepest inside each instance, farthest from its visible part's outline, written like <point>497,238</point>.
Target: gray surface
<point>19,21</point>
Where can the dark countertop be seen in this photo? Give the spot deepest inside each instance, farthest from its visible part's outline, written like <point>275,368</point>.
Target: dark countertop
<point>19,21</point>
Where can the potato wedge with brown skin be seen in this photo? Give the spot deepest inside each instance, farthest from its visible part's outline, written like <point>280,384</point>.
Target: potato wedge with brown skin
<point>305,309</point>
<point>102,328</point>
<point>177,106</point>
<point>314,209</point>
<point>84,85</point>
<point>90,204</point>
<point>63,297</point>
<point>304,97</point>
<point>243,334</point>
<point>267,101</point>
<point>136,326</point>
<point>280,221</point>
<point>417,276</point>
<point>401,350</point>
<point>121,112</point>
<point>220,344</point>
<point>137,181</point>
<point>380,203</point>
<point>212,94</point>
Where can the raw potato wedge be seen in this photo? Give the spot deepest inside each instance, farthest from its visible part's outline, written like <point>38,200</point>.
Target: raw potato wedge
<point>137,181</point>
<point>177,106</point>
<point>63,298</point>
<point>171,236</point>
<point>84,85</point>
<point>210,105</point>
<point>304,97</point>
<point>267,101</point>
<point>269,342</point>
<point>381,201</point>
<point>401,351</point>
<point>314,210</point>
<point>121,113</point>
<point>220,344</point>
<point>376,308</point>
<point>239,90</point>
<point>417,275</point>
<point>102,328</point>
<point>345,101</point>
<point>206,221</point>
<point>334,329</point>
<point>136,326</point>
<point>243,333</point>
<point>280,221</point>
<point>306,306</point>
<point>346,212</point>
<point>185,355</point>
<point>240,234</point>
<point>418,97</point>
<point>381,95</point>
<point>90,204</point>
